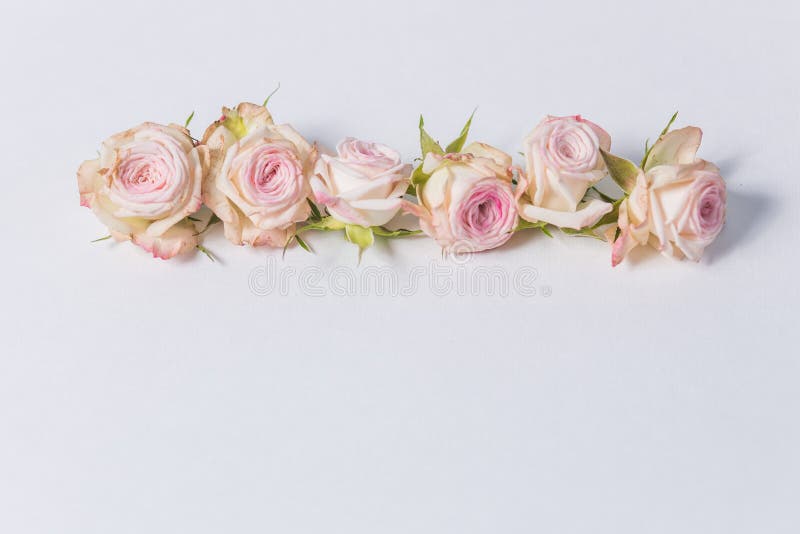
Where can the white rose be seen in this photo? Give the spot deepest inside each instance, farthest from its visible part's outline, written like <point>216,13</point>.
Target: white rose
<point>677,203</point>
<point>363,184</point>
<point>562,162</point>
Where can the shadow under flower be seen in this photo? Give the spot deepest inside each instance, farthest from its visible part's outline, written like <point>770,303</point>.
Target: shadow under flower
<point>748,214</point>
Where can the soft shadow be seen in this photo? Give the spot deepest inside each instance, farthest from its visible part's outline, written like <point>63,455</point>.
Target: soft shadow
<point>748,215</point>
<point>523,238</point>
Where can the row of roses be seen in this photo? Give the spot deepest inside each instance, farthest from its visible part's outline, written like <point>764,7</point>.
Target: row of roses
<point>267,185</point>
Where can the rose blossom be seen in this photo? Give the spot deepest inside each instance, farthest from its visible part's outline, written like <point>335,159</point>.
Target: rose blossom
<point>678,199</point>
<point>467,203</point>
<point>562,162</point>
<point>363,185</point>
<point>258,179</point>
<point>144,184</point>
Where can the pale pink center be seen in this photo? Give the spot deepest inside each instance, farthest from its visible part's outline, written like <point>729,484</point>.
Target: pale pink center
<point>272,175</point>
<point>488,214</point>
<point>366,154</point>
<point>710,209</point>
<point>151,176</point>
<point>573,147</point>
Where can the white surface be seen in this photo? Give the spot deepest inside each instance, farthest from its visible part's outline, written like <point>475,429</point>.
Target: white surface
<point>142,396</point>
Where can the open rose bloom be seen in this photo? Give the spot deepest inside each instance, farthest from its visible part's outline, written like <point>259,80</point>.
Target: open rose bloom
<point>257,183</point>
<point>144,184</point>
<point>467,204</point>
<point>677,203</point>
<point>363,184</point>
<point>562,162</point>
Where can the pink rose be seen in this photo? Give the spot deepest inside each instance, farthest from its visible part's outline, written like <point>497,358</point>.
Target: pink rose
<point>467,204</point>
<point>363,185</point>
<point>144,184</point>
<point>562,162</point>
<point>678,199</point>
<point>258,181</point>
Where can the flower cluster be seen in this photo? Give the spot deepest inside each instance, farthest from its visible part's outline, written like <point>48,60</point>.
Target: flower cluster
<point>267,185</point>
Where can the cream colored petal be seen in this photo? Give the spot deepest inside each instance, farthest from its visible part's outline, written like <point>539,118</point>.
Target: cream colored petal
<point>482,150</point>
<point>88,178</point>
<point>678,147</point>
<point>194,200</point>
<point>254,115</point>
<point>256,237</point>
<point>434,192</point>
<point>377,212</point>
<point>586,214</point>
<point>177,240</point>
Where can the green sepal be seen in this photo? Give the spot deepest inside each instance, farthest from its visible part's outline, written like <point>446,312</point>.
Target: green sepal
<point>459,141</point>
<point>622,171</point>
<point>412,190</point>
<point>100,239</point>
<point>326,224</point>
<point>391,234</point>
<point>211,221</point>
<point>205,251</point>
<point>315,214</point>
<point>648,148</point>
<point>302,243</point>
<point>524,225</point>
<point>426,142</point>
<point>603,196</point>
<point>359,235</point>
<point>266,100</point>
<point>419,177</point>
<point>188,120</point>
<point>235,124</point>
<point>583,232</point>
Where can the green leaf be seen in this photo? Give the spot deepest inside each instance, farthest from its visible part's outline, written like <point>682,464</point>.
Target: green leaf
<point>583,232</point>
<point>669,124</point>
<point>300,241</point>
<point>358,235</point>
<point>211,221</point>
<point>418,177</point>
<point>426,142</point>
<point>315,214</point>
<point>188,120</point>
<point>401,232</point>
<point>602,195</point>
<point>207,252</point>
<point>647,148</point>
<point>100,239</point>
<point>622,171</point>
<point>266,100</point>
<point>524,225</point>
<point>302,244</point>
<point>459,141</point>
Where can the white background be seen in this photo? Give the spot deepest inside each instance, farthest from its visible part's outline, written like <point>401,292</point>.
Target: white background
<point>142,396</point>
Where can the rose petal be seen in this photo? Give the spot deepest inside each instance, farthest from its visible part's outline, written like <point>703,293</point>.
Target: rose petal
<point>586,214</point>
